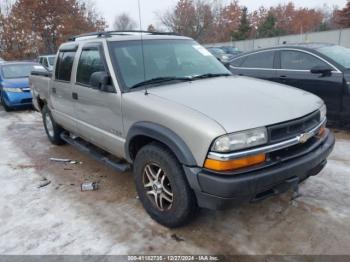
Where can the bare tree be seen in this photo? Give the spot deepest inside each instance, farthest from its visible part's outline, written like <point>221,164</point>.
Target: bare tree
<point>193,18</point>
<point>124,22</point>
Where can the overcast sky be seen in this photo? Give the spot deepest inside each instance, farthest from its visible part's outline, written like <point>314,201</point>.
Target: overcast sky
<point>150,8</point>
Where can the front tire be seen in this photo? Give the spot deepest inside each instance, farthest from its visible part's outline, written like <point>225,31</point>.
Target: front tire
<point>162,186</point>
<point>53,130</point>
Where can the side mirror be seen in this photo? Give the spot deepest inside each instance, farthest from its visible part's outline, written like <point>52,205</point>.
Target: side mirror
<point>101,81</point>
<point>323,70</point>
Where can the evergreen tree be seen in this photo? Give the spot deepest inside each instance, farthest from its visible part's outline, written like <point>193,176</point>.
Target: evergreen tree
<point>244,28</point>
<point>269,27</point>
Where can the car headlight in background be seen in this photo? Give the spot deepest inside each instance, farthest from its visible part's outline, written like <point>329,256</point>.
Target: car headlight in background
<point>225,57</point>
<point>323,112</point>
<point>241,140</point>
<point>12,90</point>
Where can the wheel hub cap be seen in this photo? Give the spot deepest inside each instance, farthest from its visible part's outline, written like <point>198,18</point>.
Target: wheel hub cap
<point>157,186</point>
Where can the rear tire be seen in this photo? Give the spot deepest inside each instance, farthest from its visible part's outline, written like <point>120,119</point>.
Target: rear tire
<point>162,186</point>
<point>53,130</point>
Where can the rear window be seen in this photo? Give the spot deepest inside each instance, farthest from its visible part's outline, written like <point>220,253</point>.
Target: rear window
<point>17,71</point>
<point>259,60</point>
<point>64,65</point>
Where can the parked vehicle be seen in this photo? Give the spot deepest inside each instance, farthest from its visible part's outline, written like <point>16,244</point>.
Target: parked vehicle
<point>14,86</point>
<point>234,51</point>
<point>194,134</point>
<point>47,61</point>
<point>220,54</point>
<point>322,69</point>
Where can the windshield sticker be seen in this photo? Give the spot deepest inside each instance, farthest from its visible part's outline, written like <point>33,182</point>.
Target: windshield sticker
<point>202,50</point>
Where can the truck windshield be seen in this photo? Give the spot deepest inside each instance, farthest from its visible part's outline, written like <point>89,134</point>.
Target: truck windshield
<point>17,70</point>
<point>163,59</point>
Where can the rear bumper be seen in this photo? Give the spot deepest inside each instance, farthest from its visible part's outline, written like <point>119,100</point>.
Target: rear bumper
<point>215,191</point>
<point>18,99</point>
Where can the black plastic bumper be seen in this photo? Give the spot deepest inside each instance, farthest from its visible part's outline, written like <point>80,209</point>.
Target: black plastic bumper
<point>215,191</point>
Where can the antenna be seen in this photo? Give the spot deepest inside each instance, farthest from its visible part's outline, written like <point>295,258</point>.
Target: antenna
<point>142,47</point>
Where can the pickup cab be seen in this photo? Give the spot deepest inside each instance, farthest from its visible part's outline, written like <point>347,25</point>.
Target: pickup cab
<point>193,134</point>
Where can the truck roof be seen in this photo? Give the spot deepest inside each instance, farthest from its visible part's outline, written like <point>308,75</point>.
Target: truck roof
<point>126,35</point>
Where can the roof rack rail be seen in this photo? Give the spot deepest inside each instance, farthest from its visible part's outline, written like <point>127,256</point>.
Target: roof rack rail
<point>111,33</point>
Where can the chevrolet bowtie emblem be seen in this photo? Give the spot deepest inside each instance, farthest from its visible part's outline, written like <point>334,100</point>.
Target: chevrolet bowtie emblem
<point>303,138</point>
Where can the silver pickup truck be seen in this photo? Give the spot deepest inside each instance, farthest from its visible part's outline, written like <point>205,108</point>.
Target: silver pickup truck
<point>194,134</point>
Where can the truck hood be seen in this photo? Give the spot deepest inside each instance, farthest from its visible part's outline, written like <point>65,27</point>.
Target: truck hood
<point>241,103</point>
<point>15,83</point>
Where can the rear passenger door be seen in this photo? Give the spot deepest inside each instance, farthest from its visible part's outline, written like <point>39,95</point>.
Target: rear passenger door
<point>295,66</point>
<point>99,115</point>
<point>258,65</point>
<point>62,105</point>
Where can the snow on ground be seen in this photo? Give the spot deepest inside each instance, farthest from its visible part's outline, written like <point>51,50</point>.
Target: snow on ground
<point>60,219</point>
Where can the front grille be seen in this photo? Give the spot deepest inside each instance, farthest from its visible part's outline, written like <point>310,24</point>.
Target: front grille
<point>291,129</point>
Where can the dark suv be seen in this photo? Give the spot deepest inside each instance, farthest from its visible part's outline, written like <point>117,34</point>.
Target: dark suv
<point>322,69</point>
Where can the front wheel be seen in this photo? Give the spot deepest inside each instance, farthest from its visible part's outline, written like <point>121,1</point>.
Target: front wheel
<point>53,130</point>
<point>162,186</point>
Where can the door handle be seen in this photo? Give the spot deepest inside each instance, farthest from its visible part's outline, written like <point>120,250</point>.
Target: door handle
<point>75,96</point>
<point>283,77</point>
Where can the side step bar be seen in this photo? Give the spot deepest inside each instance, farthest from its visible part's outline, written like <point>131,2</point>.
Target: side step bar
<point>96,153</point>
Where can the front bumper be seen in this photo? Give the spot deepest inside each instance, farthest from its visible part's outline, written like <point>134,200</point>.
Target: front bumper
<point>217,191</point>
<point>17,99</point>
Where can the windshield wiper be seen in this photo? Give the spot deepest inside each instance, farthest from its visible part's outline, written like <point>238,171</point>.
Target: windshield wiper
<point>210,75</point>
<point>159,80</point>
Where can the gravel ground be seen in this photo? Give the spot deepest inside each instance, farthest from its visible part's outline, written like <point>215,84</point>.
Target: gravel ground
<point>60,219</point>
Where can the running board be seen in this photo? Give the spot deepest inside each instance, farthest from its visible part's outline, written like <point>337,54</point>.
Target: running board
<point>96,153</point>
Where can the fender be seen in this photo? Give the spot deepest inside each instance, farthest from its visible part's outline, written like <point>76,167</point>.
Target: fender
<point>163,135</point>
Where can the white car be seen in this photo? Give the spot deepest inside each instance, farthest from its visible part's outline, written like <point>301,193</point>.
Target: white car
<point>47,61</point>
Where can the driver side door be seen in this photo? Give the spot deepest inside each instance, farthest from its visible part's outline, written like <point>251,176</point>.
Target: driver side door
<point>295,70</point>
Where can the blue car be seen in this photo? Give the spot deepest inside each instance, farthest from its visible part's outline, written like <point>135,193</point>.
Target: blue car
<point>14,85</point>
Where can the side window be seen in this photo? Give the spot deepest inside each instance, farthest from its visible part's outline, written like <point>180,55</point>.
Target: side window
<point>46,64</point>
<point>90,62</point>
<point>260,60</point>
<point>237,62</point>
<point>64,65</point>
<point>296,60</point>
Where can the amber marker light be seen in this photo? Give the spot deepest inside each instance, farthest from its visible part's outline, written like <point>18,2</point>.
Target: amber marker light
<point>234,164</point>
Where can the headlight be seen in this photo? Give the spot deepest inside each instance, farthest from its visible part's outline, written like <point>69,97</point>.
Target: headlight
<point>241,140</point>
<point>225,57</point>
<point>12,90</point>
<point>323,112</point>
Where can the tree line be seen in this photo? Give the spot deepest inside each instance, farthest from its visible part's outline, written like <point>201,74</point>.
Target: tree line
<point>211,21</point>
<point>32,27</point>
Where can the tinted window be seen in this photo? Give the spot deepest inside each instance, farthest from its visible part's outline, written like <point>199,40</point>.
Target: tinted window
<point>259,60</point>
<point>64,65</point>
<point>237,62</point>
<point>90,62</point>
<point>299,60</point>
